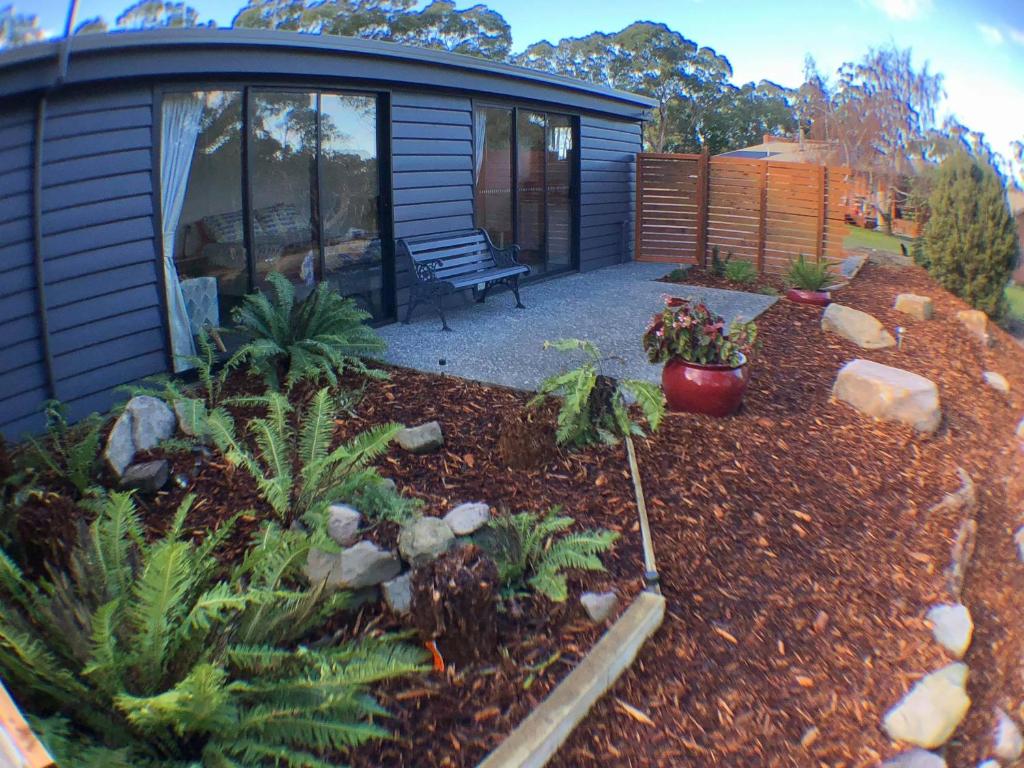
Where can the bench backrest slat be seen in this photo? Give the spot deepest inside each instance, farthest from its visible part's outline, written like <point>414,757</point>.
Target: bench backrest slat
<point>459,255</point>
<point>420,244</point>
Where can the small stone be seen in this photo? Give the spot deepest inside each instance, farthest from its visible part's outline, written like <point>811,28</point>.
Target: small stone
<point>810,736</point>
<point>988,764</point>
<point>952,627</point>
<point>362,565</point>
<point>425,540</point>
<point>997,381</point>
<point>932,709</point>
<point>398,593</point>
<point>1020,429</point>
<point>343,524</point>
<point>859,327</point>
<point>1018,539</point>
<point>120,449</point>
<point>918,307</point>
<point>1007,742</point>
<point>915,758</point>
<point>820,622</point>
<point>152,421</point>
<point>147,477</point>
<point>466,519</point>
<point>889,393</point>
<point>422,439</point>
<point>976,323</point>
<point>599,606</point>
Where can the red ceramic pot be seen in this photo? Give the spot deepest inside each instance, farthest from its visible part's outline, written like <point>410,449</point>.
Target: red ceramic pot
<point>814,298</point>
<point>715,390</point>
<point>674,302</point>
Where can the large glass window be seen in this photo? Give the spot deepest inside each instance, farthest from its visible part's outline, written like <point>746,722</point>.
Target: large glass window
<point>312,192</point>
<point>524,192</point>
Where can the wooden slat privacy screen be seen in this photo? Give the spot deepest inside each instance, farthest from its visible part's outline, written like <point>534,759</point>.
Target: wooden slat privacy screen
<point>762,212</point>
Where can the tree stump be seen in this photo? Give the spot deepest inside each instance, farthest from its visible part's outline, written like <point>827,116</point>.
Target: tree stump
<point>455,604</point>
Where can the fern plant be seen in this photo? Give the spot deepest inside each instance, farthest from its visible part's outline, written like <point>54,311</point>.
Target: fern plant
<point>809,275</point>
<point>594,407</point>
<point>139,655</point>
<point>535,551</point>
<point>69,454</point>
<point>297,472</point>
<point>742,272</point>
<point>315,338</point>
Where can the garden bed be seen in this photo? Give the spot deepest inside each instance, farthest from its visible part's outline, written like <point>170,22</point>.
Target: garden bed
<point>771,285</point>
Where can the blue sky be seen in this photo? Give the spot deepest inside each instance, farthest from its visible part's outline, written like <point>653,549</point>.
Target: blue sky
<point>978,46</point>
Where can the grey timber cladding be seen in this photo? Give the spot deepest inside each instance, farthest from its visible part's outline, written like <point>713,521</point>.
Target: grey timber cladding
<point>607,190</point>
<point>101,268</point>
<point>23,387</point>
<point>431,167</point>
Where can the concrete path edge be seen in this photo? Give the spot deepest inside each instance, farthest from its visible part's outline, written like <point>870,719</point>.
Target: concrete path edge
<point>539,736</point>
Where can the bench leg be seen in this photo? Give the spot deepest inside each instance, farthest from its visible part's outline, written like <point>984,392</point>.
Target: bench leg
<point>440,311</point>
<point>409,308</point>
<point>481,296</point>
<point>515,291</point>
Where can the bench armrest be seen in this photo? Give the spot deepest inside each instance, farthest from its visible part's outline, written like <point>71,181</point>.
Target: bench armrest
<point>507,257</point>
<point>426,271</point>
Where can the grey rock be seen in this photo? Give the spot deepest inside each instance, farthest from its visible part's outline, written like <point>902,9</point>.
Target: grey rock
<point>989,764</point>
<point>997,381</point>
<point>398,593</point>
<point>975,322</point>
<point>915,758</point>
<point>466,519</point>
<point>1007,742</point>
<point>952,627</point>
<point>1018,539</point>
<point>932,709</point>
<point>191,415</point>
<point>147,477</point>
<point>859,327</point>
<point>422,439</point>
<point>362,565</point>
<point>152,421</point>
<point>918,307</point>
<point>889,393</point>
<point>599,606</point>
<point>425,540</point>
<point>343,524</point>
<point>120,448</point>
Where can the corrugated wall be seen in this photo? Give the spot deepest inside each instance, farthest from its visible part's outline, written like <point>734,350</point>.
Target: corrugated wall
<point>22,371</point>
<point>607,190</point>
<point>102,282</point>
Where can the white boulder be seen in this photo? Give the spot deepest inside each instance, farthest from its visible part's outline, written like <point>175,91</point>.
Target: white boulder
<point>859,327</point>
<point>915,758</point>
<point>425,438</point>
<point>398,593</point>
<point>362,565</point>
<point>467,519</point>
<point>343,524</point>
<point>599,606</point>
<point>425,540</point>
<point>931,711</point>
<point>952,627</point>
<point>918,307</point>
<point>997,381</point>
<point>889,393</point>
<point>976,323</point>
<point>1007,742</point>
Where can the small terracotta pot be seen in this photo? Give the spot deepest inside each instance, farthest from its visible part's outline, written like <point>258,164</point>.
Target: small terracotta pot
<point>715,390</point>
<point>814,298</point>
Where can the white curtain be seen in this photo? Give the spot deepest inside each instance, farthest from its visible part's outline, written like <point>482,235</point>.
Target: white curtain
<point>182,113</point>
<point>480,136</point>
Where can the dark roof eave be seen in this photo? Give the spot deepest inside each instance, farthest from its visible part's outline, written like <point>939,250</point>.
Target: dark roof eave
<point>45,53</point>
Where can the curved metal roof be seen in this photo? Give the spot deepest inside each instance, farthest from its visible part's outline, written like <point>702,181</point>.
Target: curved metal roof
<point>205,52</point>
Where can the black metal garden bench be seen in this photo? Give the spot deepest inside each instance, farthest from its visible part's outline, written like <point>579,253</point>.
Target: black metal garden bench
<point>444,264</point>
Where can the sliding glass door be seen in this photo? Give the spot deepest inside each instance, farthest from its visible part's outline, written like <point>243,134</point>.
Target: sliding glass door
<point>525,165</point>
<point>261,180</point>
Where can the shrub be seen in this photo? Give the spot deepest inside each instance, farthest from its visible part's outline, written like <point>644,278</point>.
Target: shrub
<point>530,553</point>
<point>741,272</point>
<point>315,338</point>
<point>297,472</point>
<point>138,655</point>
<point>694,334</point>
<point>809,275</point>
<point>970,238</point>
<point>594,407</point>
<point>69,455</point>
<point>677,276</point>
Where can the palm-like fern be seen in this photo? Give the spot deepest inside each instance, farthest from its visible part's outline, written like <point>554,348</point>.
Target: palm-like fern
<point>534,551</point>
<point>297,472</point>
<point>315,338</point>
<point>69,454</point>
<point>594,407</point>
<point>138,655</point>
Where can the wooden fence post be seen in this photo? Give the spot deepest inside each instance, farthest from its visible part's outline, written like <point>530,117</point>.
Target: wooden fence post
<point>702,207</point>
<point>762,224</point>
<point>638,224</point>
<point>821,211</point>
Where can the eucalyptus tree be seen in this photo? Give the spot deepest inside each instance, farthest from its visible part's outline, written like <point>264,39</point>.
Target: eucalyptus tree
<point>18,28</point>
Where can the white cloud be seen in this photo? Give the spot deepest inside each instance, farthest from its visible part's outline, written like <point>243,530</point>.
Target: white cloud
<point>993,35</point>
<point>1016,35</point>
<point>903,10</point>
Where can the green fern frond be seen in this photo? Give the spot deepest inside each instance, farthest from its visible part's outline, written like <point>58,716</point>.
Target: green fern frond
<point>199,704</point>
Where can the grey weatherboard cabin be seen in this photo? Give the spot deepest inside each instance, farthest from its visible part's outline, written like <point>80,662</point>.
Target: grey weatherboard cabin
<point>150,180</point>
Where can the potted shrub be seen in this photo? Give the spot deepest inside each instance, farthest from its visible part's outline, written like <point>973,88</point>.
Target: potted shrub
<point>705,365</point>
<point>809,281</point>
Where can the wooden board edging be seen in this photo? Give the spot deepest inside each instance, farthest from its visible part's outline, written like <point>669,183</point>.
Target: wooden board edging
<point>538,737</point>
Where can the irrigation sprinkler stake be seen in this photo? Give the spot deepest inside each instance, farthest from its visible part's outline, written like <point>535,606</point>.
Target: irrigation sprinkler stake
<point>651,580</point>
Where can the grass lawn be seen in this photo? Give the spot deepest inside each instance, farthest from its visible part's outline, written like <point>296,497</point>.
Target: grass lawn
<point>1015,297</point>
<point>871,238</point>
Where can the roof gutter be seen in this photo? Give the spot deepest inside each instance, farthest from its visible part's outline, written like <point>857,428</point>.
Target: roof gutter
<point>38,257</point>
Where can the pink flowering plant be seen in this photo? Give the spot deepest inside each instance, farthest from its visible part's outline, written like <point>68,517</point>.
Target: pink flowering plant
<point>691,332</point>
